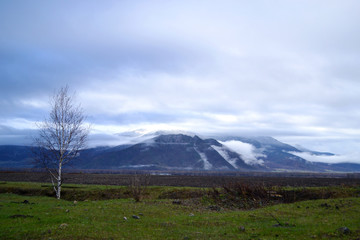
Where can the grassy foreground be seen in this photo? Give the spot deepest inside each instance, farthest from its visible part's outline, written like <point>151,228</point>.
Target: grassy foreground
<point>41,217</point>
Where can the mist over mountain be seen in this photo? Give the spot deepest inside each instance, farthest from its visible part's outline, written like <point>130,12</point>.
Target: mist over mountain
<point>287,69</point>
<point>172,150</point>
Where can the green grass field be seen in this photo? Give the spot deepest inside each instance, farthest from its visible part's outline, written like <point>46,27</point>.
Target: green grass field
<point>43,217</point>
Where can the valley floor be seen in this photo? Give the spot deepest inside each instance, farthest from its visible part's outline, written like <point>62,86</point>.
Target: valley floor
<point>42,217</point>
<point>48,218</point>
<point>197,179</point>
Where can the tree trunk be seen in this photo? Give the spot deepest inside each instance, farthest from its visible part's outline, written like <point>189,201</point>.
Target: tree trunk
<point>58,192</point>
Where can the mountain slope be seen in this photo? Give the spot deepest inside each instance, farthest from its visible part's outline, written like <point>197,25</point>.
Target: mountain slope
<point>15,156</point>
<point>279,156</point>
<point>183,151</point>
<point>172,151</point>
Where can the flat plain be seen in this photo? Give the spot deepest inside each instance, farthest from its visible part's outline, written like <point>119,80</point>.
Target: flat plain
<point>227,208</point>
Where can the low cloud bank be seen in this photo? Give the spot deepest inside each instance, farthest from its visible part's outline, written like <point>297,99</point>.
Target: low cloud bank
<point>247,151</point>
<point>346,158</point>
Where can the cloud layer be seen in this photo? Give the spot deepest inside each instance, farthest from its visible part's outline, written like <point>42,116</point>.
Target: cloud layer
<point>350,158</point>
<point>282,68</point>
<point>247,151</point>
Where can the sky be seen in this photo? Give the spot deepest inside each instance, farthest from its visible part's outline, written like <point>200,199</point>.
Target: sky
<point>286,69</point>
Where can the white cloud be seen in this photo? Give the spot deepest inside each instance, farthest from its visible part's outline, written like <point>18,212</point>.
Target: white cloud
<point>247,151</point>
<point>19,123</point>
<point>35,103</point>
<point>225,118</point>
<point>349,158</point>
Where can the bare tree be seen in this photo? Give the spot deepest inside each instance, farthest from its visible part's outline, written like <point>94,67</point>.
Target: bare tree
<point>62,135</point>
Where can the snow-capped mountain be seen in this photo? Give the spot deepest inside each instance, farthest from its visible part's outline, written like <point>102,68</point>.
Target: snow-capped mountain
<point>174,151</point>
<point>164,150</point>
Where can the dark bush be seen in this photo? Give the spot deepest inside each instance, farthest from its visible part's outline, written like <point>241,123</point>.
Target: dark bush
<point>182,194</point>
<point>246,196</point>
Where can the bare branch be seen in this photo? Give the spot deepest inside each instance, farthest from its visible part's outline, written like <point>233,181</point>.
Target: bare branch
<point>62,135</point>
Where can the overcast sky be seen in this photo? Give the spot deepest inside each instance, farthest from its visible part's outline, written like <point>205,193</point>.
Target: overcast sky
<point>287,69</point>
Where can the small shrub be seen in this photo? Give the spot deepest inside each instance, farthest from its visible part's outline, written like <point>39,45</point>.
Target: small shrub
<point>138,185</point>
<point>238,195</point>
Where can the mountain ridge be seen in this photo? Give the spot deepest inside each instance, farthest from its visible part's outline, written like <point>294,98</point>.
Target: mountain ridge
<point>182,151</point>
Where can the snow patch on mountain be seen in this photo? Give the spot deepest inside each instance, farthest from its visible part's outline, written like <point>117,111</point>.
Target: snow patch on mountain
<point>246,151</point>
<point>132,134</point>
<point>171,132</point>
<point>207,164</point>
<point>224,154</point>
<point>129,137</point>
<point>265,140</point>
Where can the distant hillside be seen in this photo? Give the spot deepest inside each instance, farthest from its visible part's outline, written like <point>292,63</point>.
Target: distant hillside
<point>173,151</point>
<point>15,156</point>
<point>187,151</point>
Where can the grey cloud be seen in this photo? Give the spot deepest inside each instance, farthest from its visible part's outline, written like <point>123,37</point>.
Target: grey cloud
<point>266,68</point>
<point>13,136</point>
